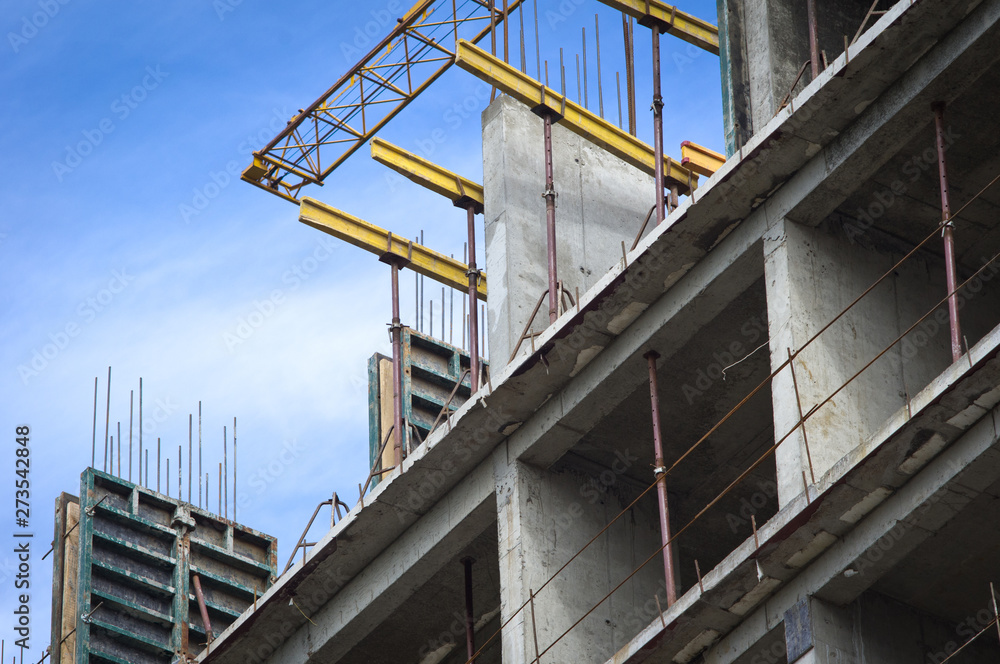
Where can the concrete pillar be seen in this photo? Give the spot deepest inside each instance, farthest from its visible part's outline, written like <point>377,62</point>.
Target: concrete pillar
<point>601,202</point>
<point>819,633</point>
<point>811,275</point>
<point>544,518</point>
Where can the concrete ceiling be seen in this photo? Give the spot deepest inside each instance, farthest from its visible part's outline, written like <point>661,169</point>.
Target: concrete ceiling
<point>694,397</point>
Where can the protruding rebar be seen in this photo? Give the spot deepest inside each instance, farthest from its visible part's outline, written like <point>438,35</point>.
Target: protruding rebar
<point>947,233</point>
<point>119,434</point>
<point>107,421</point>
<point>661,480</point>
<point>600,86</point>
<point>157,465</point>
<point>225,474</point>
<point>142,480</point>
<point>199,461</point>
<point>235,495</point>
<point>93,438</point>
<point>190,451</point>
<point>131,399</point>
<point>180,472</point>
<point>618,89</point>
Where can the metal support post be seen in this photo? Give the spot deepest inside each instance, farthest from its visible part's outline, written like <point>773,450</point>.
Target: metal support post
<point>661,212</point>
<point>813,38</point>
<point>470,619</point>
<point>473,273</point>
<point>396,330</point>
<point>661,481</point>
<point>203,609</point>
<point>947,232</point>
<point>550,220</point>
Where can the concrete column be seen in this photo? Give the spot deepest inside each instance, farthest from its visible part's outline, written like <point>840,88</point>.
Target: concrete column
<point>601,202</point>
<point>544,518</point>
<point>819,633</point>
<point>812,274</point>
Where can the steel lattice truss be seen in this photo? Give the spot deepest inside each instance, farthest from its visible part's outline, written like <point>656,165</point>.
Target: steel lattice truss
<point>415,54</point>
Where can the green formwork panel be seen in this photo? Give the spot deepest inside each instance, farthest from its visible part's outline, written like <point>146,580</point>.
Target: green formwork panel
<point>431,369</point>
<point>138,552</point>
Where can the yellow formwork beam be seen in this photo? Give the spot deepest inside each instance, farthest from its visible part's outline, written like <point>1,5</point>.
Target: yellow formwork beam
<point>379,241</point>
<point>675,22</point>
<point>460,190</point>
<point>576,118</point>
<point>700,159</point>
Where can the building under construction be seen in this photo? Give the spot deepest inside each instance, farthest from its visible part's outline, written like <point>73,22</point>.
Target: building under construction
<point>739,408</point>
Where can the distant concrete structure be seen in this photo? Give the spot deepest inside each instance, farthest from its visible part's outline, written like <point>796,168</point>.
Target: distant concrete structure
<point>828,387</point>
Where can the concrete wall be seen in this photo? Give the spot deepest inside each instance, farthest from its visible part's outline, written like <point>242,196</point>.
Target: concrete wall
<point>812,274</point>
<point>601,201</point>
<point>544,517</point>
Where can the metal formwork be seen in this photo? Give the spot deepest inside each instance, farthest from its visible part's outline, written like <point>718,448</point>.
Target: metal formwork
<point>431,371</point>
<point>138,553</point>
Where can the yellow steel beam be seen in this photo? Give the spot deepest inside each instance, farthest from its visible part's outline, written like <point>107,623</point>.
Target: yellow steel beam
<point>576,118</point>
<point>681,25</point>
<point>379,241</point>
<point>700,159</point>
<point>461,191</point>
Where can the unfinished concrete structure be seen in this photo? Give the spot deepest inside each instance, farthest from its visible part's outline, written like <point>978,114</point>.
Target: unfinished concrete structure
<point>830,456</point>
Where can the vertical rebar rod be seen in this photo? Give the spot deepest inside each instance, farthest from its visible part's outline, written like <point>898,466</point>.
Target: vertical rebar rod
<point>199,460</point>
<point>235,499</point>
<point>520,17</point>
<point>470,619</point>
<point>107,421</point>
<point>144,482</point>
<point>225,474</point>
<point>947,233</point>
<point>451,316</point>
<point>190,451</point>
<point>600,87</point>
<point>506,39</point>
<point>93,438</point>
<point>473,274</point>
<point>180,472</point>
<point>464,326</point>
<point>538,51</point>
<point>550,219</point>
<point>562,73</point>
<point>157,465</point>
<point>630,73</point>
<point>131,400</point>
<point>416,299</point>
<point>618,88</point>
<point>420,325</point>
<point>579,85</point>
<point>119,434</point>
<point>397,370</point>
<point>661,480</point>
<point>658,128</point>
<point>813,38</point>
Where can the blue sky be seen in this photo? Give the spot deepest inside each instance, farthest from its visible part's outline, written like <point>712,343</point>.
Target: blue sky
<point>114,119</point>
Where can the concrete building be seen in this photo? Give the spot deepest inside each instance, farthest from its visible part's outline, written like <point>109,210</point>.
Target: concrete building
<point>845,511</point>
